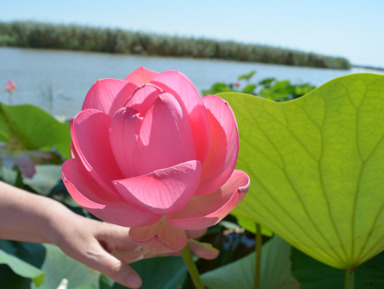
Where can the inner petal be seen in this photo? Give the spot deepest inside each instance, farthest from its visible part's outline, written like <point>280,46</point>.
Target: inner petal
<point>123,134</point>
<point>143,97</point>
<point>163,191</point>
<point>141,75</point>
<point>188,96</point>
<point>165,137</point>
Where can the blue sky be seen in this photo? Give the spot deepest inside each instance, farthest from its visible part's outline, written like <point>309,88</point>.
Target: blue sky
<point>353,29</point>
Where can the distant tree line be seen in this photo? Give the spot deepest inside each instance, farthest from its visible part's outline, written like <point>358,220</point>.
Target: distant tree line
<point>75,37</point>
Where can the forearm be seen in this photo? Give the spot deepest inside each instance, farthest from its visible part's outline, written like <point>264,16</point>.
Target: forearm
<point>28,217</point>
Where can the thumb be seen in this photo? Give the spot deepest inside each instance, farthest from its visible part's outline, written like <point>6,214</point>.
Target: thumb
<point>114,268</point>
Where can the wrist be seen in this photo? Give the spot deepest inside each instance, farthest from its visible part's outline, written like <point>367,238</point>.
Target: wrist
<point>60,220</point>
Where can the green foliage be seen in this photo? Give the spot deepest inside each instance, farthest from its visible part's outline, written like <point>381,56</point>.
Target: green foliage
<point>40,35</point>
<point>268,88</point>
<point>22,262</point>
<point>22,268</point>
<point>31,128</point>
<point>312,274</point>
<point>275,270</point>
<point>250,226</point>
<point>315,165</point>
<point>164,273</point>
<point>58,266</point>
<point>46,265</point>
<point>247,76</point>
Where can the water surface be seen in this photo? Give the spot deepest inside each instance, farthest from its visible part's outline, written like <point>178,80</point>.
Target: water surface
<point>58,81</point>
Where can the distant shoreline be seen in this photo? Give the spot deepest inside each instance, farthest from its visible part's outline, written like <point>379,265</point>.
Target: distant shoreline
<point>82,38</point>
<point>368,67</point>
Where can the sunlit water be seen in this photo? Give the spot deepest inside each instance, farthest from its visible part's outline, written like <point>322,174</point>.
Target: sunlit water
<point>58,81</point>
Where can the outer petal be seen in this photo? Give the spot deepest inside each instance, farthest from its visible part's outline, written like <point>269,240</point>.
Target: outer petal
<point>92,197</point>
<point>90,137</point>
<point>165,137</point>
<point>163,191</point>
<point>141,75</point>
<point>205,211</point>
<point>123,135</point>
<point>224,145</point>
<point>159,238</point>
<point>102,94</point>
<point>194,234</point>
<point>187,95</point>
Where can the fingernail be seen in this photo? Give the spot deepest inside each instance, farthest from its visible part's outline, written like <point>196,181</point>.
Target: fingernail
<point>134,281</point>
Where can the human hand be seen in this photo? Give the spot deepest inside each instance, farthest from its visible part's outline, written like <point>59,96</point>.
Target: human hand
<point>108,248</point>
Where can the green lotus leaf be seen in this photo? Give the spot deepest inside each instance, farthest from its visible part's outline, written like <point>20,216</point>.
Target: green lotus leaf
<point>311,273</point>
<point>275,270</point>
<point>316,166</point>
<point>161,272</point>
<point>58,266</point>
<point>31,128</point>
<point>22,268</point>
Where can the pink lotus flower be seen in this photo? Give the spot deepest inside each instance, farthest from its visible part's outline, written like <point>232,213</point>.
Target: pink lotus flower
<point>13,154</point>
<point>24,160</point>
<point>10,86</point>
<point>149,153</point>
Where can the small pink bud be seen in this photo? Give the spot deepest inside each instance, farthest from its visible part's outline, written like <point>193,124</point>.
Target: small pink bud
<point>10,86</point>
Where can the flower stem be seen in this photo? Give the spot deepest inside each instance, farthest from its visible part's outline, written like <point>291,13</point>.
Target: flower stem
<point>259,243</point>
<point>349,278</point>
<point>195,276</point>
<point>19,180</point>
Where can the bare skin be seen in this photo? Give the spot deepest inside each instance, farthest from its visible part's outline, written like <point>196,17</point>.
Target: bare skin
<point>101,246</point>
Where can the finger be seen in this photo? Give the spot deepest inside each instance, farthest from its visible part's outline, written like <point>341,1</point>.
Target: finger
<point>130,255</point>
<point>100,260</point>
<point>114,237</point>
<point>203,250</point>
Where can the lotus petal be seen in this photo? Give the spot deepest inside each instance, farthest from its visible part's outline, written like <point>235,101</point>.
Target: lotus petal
<point>92,197</point>
<point>102,94</point>
<point>160,237</point>
<point>123,136</point>
<point>165,137</point>
<point>223,147</point>
<point>122,97</point>
<point>163,191</point>
<point>25,164</point>
<point>143,97</point>
<point>90,138</point>
<point>141,76</point>
<point>207,210</point>
<point>185,92</point>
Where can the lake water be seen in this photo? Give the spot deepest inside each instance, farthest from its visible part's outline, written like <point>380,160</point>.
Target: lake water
<point>58,81</point>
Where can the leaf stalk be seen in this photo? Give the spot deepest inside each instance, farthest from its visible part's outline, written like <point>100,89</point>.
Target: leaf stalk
<point>349,282</point>
<point>259,243</point>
